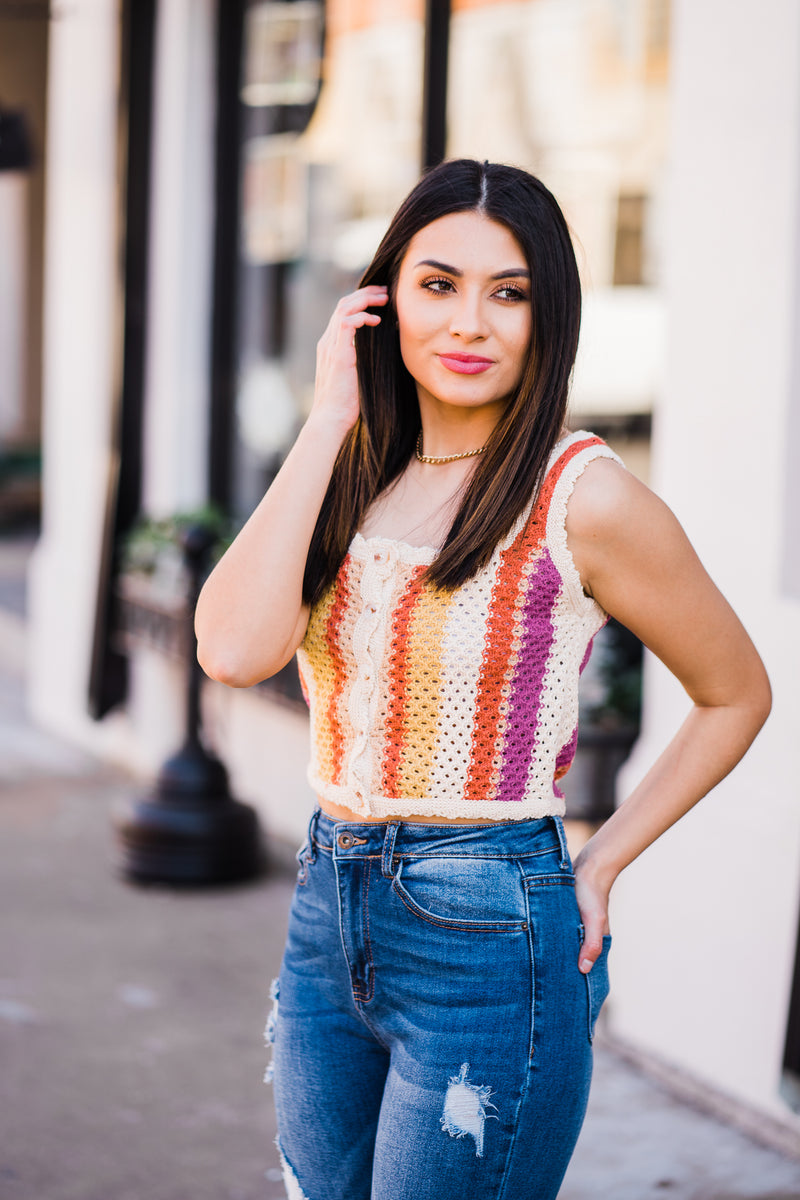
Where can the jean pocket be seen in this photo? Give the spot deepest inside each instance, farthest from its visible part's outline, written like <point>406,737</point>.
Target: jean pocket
<point>472,894</point>
<point>598,985</point>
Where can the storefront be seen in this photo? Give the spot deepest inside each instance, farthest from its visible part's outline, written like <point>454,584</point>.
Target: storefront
<point>219,175</point>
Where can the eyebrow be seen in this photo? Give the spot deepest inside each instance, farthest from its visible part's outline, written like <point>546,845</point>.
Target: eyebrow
<point>511,273</point>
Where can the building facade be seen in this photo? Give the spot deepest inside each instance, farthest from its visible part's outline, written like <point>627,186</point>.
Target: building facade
<point>179,327</point>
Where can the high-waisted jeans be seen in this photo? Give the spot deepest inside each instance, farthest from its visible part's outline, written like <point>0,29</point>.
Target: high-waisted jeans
<point>431,1030</point>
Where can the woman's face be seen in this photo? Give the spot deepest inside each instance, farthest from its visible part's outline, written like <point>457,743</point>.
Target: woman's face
<point>463,302</point>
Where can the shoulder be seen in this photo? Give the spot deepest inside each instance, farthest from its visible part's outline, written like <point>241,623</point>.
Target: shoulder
<point>594,490</point>
<point>616,525</point>
<point>603,495</point>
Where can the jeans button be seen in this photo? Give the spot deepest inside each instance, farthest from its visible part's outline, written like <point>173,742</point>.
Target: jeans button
<point>345,841</point>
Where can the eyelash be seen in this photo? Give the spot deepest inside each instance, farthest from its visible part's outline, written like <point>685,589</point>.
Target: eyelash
<point>517,293</point>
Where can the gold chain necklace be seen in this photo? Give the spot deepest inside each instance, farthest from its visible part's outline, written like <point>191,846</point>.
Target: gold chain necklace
<point>437,460</point>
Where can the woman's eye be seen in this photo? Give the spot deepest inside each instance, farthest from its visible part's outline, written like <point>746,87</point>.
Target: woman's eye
<point>437,285</point>
<point>510,292</point>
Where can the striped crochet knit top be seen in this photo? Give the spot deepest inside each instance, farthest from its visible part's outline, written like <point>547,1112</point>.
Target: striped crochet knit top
<point>454,704</point>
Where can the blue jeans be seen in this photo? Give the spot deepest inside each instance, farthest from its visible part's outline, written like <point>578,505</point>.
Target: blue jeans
<point>431,1030</point>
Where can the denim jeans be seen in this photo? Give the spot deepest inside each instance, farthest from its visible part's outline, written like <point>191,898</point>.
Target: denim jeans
<point>431,1030</point>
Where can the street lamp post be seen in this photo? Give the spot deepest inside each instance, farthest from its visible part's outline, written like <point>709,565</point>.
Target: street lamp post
<point>190,830</point>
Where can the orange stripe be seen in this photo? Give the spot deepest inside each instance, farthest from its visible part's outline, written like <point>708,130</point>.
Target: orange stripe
<point>338,668</point>
<point>497,670</point>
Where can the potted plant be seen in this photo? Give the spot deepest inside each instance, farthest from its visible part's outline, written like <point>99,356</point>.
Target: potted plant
<point>152,583</point>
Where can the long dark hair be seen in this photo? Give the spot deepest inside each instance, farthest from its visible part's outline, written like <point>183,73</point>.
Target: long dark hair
<point>382,440</point>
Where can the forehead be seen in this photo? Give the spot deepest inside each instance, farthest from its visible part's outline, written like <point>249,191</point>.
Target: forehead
<point>468,241</point>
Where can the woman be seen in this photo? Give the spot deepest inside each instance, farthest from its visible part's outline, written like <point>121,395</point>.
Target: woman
<point>440,551</point>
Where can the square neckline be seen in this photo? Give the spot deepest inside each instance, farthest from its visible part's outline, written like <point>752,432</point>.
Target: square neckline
<point>410,552</point>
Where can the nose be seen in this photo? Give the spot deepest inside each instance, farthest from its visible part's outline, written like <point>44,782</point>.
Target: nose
<point>468,318</point>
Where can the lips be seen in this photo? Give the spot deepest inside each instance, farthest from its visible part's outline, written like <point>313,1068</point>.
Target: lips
<point>465,364</point>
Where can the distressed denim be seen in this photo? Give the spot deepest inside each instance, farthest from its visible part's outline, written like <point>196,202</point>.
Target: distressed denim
<point>431,1032</point>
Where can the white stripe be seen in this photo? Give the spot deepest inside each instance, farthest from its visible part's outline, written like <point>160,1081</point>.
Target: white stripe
<point>556,536</point>
<point>462,652</point>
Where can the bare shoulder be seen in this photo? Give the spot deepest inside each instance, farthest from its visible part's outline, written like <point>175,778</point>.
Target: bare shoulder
<point>617,526</point>
<point>637,563</point>
<point>605,497</point>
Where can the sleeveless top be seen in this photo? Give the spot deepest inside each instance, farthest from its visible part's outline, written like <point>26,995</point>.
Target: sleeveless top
<point>454,704</point>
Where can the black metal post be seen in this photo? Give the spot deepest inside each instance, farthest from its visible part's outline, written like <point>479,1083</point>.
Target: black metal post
<point>15,143</point>
<point>190,830</point>
<point>434,87</point>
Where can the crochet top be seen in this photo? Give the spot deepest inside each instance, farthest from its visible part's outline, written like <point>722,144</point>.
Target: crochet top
<point>454,704</point>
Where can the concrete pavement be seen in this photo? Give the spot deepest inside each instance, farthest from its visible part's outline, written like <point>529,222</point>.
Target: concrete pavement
<point>131,1020</point>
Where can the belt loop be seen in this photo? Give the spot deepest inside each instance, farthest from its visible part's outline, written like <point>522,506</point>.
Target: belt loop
<point>312,836</point>
<point>388,850</point>
<point>562,843</point>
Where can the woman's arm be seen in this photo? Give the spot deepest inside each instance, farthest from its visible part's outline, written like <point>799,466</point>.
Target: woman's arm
<point>250,617</point>
<point>636,561</point>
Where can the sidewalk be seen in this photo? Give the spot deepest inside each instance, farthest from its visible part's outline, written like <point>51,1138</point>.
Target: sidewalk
<point>131,1019</point>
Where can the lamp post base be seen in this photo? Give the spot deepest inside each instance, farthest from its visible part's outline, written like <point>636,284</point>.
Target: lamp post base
<point>189,830</point>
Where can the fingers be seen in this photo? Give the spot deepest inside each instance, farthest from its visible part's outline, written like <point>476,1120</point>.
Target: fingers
<point>350,314</point>
<point>356,302</point>
<point>336,395</point>
<point>592,943</point>
<point>592,897</point>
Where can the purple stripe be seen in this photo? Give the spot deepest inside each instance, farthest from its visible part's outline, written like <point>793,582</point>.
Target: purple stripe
<point>588,654</point>
<point>538,632</point>
<point>567,753</point>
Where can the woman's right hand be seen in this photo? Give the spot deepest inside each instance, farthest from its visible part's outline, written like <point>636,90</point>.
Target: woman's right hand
<point>250,616</point>
<point>336,385</point>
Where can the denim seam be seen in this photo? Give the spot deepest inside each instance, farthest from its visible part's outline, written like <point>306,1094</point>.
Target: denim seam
<point>387,852</point>
<point>365,1018</point>
<point>532,961</point>
<point>454,923</point>
<point>562,842</point>
<point>529,1065</point>
<point>369,965</point>
<point>593,1009</point>
<point>399,855</point>
<point>534,881</point>
<point>460,853</point>
<point>402,854</point>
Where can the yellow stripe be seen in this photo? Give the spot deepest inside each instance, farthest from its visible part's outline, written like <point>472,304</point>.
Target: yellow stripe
<point>423,692</point>
<point>320,678</point>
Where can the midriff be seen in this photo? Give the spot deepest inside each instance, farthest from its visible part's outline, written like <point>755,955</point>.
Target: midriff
<point>339,813</point>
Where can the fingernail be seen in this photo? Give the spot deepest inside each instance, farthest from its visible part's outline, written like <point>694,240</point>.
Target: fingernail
<point>585,965</point>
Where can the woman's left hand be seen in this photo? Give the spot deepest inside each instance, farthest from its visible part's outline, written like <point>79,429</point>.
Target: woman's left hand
<point>592,896</point>
<point>634,559</point>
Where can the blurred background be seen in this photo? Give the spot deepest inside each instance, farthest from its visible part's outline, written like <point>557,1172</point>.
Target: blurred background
<point>186,189</point>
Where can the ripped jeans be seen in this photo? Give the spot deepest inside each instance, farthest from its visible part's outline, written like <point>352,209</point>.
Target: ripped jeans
<point>431,1030</point>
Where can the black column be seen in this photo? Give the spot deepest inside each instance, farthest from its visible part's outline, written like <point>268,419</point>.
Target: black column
<point>434,93</point>
<point>108,672</point>
<point>230,31</point>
